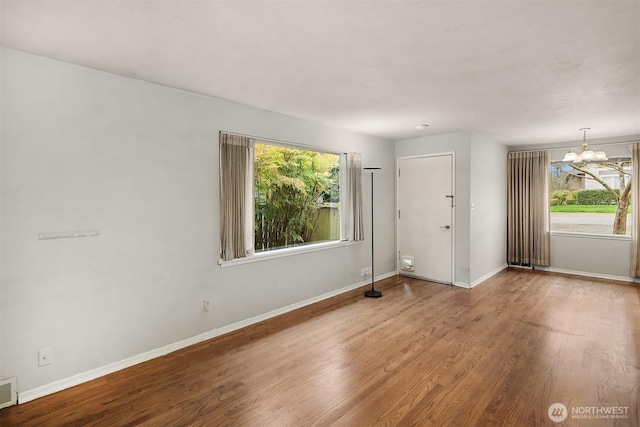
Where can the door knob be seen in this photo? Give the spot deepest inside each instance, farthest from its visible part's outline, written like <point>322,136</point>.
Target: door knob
<point>446,227</point>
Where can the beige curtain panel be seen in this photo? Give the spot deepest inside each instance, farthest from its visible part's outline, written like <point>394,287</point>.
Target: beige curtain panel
<point>528,234</point>
<point>352,225</point>
<point>236,196</point>
<point>635,205</point>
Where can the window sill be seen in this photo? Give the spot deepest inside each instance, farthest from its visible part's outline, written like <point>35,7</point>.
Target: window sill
<point>281,253</point>
<point>590,235</point>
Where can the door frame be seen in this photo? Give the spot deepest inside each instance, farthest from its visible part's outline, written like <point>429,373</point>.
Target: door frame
<point>453,210</point>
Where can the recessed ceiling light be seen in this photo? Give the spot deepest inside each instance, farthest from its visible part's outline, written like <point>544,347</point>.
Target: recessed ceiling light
<point>422,126</point>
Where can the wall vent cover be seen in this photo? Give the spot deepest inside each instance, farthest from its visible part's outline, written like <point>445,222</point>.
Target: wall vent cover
<point>8,392</point>
<point>406,263</point>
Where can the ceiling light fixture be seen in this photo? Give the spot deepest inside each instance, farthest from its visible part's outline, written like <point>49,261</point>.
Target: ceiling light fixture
<point>419,127</point>
<point>586,154</point>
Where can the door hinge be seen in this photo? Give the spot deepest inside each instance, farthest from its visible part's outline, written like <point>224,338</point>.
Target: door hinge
<point>398,172</point>
<point>398,213</point>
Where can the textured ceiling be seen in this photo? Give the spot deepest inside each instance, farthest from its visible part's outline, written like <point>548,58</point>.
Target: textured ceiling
<point>518,72</point>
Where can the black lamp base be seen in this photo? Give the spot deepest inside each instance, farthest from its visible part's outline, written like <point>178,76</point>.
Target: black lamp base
<point>373,294</point>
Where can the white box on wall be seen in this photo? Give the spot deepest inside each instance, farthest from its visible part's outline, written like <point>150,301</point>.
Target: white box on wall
<point>8,392</point>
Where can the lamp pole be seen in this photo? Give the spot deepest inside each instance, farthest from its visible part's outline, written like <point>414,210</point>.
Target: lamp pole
<point>372,293</point>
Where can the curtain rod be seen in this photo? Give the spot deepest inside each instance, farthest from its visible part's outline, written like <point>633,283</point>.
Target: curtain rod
<point>577,145</point>
<point>285,143</point>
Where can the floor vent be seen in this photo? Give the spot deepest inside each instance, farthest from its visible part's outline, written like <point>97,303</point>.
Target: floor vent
<point>8,392</point>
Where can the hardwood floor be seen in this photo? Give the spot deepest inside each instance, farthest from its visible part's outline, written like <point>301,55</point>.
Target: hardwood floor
<point>424,354</point>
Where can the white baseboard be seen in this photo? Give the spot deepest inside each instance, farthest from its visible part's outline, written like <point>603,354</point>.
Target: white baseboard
<point>588,274</point>
<point>83,377</point>
<point>488,275</point>
<point>580,273</point>
<point>482,279</point>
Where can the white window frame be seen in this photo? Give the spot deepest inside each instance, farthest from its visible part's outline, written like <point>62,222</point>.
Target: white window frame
<point>309,247</point>
<point>582,234</point>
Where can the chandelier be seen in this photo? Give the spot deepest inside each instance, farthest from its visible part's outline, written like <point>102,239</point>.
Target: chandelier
<point>586,154</point>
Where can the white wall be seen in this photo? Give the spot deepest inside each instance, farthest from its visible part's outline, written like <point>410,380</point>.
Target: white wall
<point>2,374</point>
<point>87,150</point>
<point>599,256</point>
<point>488,239</point>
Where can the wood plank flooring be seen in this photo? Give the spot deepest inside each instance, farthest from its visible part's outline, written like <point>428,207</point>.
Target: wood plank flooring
<point>424,354</point>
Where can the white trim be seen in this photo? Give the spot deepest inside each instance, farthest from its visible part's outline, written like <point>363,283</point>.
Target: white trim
<point>488,275</point>
<point>462,285</point>
<point>83,377</point>
<point>288,144</point>
<point>420,156</point>
<point>524,267</point>
<point>578,273</point>
<point>590,235</point>
<point>588,274</point>
<point>343,198</point>
<point>285,252</point>
<point>453,216</point>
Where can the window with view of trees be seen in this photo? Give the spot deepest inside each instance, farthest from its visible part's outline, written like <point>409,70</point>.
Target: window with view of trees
<point>591,198</point>
<point>296,196</point>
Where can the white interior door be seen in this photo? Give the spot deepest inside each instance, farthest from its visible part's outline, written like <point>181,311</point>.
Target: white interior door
<point>425,217</point>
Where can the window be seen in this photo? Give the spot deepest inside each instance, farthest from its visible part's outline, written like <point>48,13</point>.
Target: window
<point>592,198</point>
<point>296,196</point>
<point>276,196</point>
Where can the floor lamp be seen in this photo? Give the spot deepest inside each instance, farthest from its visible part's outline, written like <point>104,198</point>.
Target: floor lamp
<point>372,293</point>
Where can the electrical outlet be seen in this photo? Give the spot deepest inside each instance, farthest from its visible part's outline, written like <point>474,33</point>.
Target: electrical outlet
<point>364,271</point>
<point>45,356</point>
<point>206,304</point>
